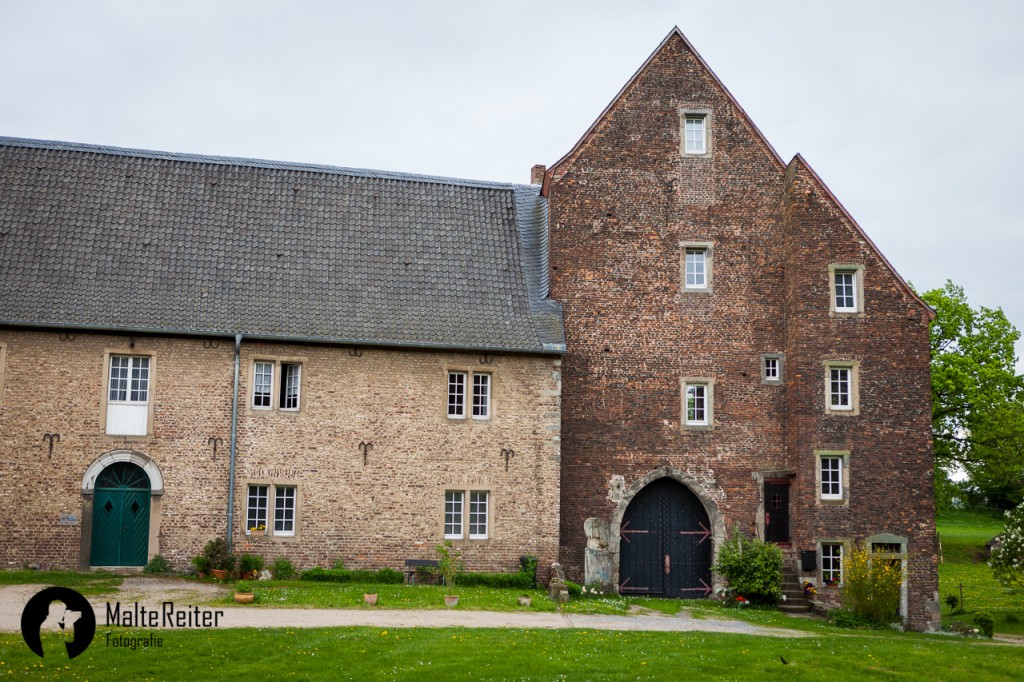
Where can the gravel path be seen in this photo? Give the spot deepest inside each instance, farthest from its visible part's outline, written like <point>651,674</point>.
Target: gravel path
<point>152,592</point>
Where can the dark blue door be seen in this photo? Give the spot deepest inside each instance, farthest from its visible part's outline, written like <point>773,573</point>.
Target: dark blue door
<point>665,543</point>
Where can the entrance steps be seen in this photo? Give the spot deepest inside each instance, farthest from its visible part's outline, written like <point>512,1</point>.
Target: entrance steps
<point>793,600</point>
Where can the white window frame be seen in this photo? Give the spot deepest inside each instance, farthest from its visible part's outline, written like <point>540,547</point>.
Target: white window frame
<point>695,144</point>
<point>128,413</point>
<point>842,374</point>
<point>702,280</point>
<point>767,360</point>
<point>285,510</point>
<point>263,381</point>
<point>479,514</point>
<point>832,553</point>
<point>454,510</point>
<point>481,395</point>
<point>702,389</point>
<point>457,381</point>
<point>279,384</point>
<point>257,501</point>
<point>831,467</point>
<point>841,292</point>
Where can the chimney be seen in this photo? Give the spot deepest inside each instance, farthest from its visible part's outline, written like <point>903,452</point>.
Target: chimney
<point>537,174</point>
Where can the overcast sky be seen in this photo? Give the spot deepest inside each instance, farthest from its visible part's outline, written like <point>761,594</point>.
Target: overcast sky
<point>911,112</point>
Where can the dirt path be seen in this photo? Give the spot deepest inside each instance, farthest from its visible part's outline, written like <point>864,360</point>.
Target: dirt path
<point>151,593</point>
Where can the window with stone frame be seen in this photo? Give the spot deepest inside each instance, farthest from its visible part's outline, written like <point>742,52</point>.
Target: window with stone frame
<point>842,389</point>
<point>698,402</point>
<point>478,403</point>
<point>846,289</point>
<point>695,132</point>
<point>771,368</point>
<point>831,563</point>
<point>256,508</point>
<point>286,376</point>
<point>831,477</point>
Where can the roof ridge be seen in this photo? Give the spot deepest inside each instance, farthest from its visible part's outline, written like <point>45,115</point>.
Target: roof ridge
<point>57,145</point>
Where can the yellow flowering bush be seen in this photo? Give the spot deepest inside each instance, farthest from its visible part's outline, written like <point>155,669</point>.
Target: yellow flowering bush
<point>871,585</point>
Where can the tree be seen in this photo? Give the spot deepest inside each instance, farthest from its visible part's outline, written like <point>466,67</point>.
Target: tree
<point>1008,559</point>
<point>977,399</point>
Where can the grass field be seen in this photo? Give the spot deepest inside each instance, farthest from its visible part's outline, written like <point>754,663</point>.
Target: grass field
<point>459,654</point>
<point>963,536</point>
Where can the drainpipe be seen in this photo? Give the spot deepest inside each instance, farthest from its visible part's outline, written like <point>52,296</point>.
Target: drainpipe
<point>234,441</point>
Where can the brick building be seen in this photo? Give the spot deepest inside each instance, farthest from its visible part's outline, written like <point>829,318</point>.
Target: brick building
<point>740,355</point>
<point>735,353</point>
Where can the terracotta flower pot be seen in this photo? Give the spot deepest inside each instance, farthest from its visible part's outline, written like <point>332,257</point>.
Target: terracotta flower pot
<point>244,597</point>
<point>451,600</point>
<point>219,574</point>
<point>370,599</point>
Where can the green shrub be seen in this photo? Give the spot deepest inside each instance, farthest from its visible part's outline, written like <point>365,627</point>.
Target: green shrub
<point>952,601</point>
<point>384,576</point>
<point>872,587</point>
<point>528,565</point>
<point>247,563</point>
<point>848,618</point>
<point>575,591</point>
<point>158,564</point>
<point>282,569</point>
<point>216,552</point>
<point>201,563</point>
<point>985,622</point>
<point>752,568</point>
<point>520,580</point>
<point>1008,559</point>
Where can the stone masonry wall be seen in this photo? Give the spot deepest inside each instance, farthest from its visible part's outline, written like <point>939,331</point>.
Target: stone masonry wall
<point>622,206</point>
<point>369,516</point>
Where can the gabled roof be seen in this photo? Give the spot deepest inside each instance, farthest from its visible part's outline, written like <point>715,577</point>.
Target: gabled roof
<point>674,33</point>
<point>139,241</point>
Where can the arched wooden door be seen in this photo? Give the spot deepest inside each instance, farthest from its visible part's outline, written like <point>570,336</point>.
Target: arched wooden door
<point>120,516</point>
<point>665,543</point>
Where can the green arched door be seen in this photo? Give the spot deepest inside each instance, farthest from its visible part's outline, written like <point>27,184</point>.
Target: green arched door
<point>120,516</point>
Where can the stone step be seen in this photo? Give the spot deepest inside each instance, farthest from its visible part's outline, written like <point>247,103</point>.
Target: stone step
<point>794,608</point>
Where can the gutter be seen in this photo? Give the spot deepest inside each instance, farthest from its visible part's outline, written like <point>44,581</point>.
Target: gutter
<point>234,441</point>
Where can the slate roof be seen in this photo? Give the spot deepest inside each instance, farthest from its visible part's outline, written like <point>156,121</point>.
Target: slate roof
<point>128,240</point>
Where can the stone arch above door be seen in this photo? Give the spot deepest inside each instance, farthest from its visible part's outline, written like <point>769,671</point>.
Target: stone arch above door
<point>156,479</point>
<point>604,536</point>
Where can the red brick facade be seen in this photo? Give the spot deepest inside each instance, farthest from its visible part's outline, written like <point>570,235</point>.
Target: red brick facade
<point>624,203</point>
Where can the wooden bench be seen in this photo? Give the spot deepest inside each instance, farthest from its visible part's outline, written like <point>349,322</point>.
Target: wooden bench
<point>412,565</point>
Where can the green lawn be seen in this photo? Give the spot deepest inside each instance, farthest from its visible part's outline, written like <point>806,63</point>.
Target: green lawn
<point>963,536</point>
<point>85,583</point>
<point>457,653</point>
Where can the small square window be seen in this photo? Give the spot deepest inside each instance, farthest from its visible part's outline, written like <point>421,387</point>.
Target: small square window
<point>831,563</point>
<point>453,515</point>
<point>695,134</point>
<point>771,368</point>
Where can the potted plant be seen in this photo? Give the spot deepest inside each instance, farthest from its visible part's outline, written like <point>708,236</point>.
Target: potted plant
<point>222,561</point>
<point>370,598</point>
<point>524,600</point>
<point>244,593</point>
<point>449,563</point>
<point>258,531</point>
<point>249,566</point>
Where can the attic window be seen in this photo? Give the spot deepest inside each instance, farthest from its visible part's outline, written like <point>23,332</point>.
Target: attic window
<point>695,128</point>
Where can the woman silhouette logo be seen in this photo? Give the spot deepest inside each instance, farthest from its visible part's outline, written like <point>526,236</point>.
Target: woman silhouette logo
<point>73,613</point>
